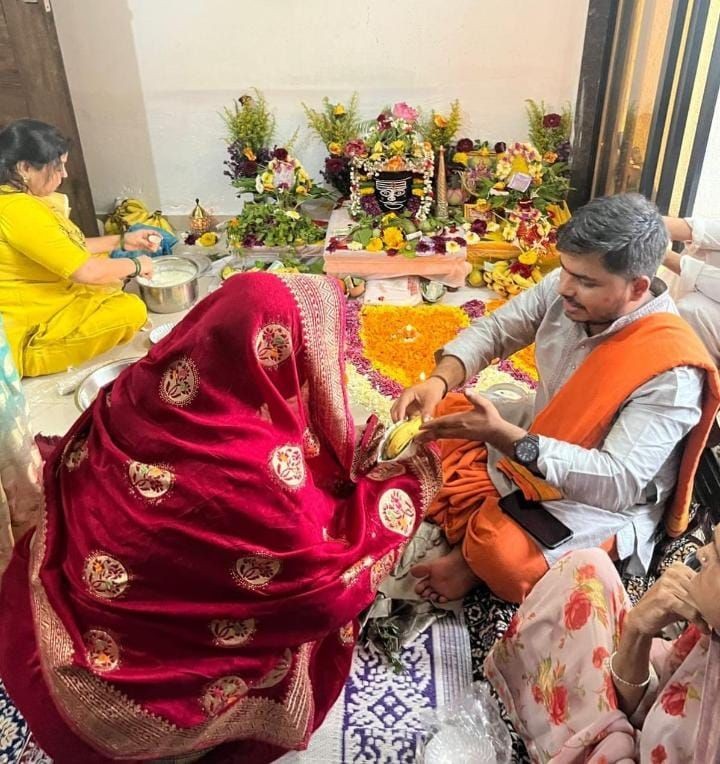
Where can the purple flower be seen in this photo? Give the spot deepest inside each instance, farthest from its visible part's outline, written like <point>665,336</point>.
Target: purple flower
<point>479,227</point>
<point>248,168</point>
<point>459,240</point>
<point>551,120</point>
<point>383,121</point>
<point>263,156</point>
<point>464,145</point>
<point>563,151</point>
<point>337,174</point>
<point>413,204</point>
<point>438,244</point>
<point>251,240</point>
<point>280,154</point>
<point>500,147</point>
<point>370,205</point>
<point>474,308</point>
<point>191,238</point>
<point>391,252</point>
<point>335,165</point>
<point>424,246</point>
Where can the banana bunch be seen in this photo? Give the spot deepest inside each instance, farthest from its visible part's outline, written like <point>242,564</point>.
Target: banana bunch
<point>157,220</point>
<point>399,437</point>
<point>127,213</point>
<point>501,279</point>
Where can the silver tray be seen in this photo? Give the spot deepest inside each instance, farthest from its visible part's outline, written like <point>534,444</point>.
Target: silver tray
<point>88,389</point>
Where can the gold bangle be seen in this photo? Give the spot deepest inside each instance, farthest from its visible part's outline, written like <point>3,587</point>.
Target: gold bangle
<point>624,682</point>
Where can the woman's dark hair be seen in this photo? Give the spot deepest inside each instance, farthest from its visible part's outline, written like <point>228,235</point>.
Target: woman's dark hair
<point>31,141</point>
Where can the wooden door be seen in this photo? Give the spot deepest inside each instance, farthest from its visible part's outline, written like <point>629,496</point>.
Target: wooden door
<point>33,84</point>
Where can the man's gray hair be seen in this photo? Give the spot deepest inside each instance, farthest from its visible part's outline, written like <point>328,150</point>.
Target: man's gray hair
<point>626,229</point>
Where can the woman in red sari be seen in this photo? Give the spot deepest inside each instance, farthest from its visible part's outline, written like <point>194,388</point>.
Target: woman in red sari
<point>211,534</point>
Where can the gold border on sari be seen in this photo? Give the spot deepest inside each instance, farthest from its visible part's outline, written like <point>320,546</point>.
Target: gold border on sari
<point>120,728</point>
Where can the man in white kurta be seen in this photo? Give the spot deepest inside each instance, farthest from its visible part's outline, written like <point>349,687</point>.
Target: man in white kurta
<point>697,291</point>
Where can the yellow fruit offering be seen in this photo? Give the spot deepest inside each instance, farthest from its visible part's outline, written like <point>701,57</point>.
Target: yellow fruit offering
<point>475,278</point>
<point>400,437</point>
<point>209,239</point>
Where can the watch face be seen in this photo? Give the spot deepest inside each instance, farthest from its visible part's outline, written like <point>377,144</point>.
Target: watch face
<point>526,450</point>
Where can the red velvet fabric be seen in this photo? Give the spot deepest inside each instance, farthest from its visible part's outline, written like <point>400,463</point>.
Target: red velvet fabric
<point>206,521</point>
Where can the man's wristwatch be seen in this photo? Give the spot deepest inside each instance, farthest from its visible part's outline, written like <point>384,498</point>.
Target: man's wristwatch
<point>527,449</point>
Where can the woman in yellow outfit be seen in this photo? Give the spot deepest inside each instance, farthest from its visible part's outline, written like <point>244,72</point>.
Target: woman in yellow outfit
<point>60,297</point>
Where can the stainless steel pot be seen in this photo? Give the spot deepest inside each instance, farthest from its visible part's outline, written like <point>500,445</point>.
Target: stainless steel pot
<point>173,287</point>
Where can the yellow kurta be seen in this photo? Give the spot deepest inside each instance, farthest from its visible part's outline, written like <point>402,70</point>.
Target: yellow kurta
<point>52,322</point>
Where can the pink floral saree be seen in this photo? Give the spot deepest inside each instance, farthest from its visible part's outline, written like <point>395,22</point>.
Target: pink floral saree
<point>211,535</point>
<point>551,671</point>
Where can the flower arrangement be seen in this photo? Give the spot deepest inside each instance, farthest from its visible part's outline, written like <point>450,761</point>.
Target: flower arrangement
<point>336,125</point>
<point>393,144</point>
<point>251,128</point>
<point>404,235</point>
<point>439,130</point>
<point>549,131</point>
<point>270,225</point>
<point>518,203</point>
<point>284,180</point>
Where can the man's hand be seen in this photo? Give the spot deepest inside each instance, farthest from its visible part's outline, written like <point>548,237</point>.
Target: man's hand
<point>482,423</point>
<point>666,602</point>
<point>419,399</point>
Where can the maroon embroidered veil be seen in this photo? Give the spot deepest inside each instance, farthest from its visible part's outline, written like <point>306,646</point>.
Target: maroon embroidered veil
<point>211,535</point>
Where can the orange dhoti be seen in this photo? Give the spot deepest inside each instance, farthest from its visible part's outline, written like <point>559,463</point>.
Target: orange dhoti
<point>496,548</point>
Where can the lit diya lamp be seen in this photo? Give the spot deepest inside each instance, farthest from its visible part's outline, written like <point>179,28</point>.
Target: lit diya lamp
<point>410,333</point>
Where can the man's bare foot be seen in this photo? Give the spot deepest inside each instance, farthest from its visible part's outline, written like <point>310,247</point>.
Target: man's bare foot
<point>447,578</point>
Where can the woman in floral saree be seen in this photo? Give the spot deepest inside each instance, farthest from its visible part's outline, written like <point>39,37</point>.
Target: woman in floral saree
<point>584,679</point>
<point>210,536</point>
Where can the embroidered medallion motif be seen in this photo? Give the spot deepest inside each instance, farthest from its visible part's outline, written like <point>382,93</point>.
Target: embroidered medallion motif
<point>273,345</point>
<point>387,470</point>
<point>151,481</point>
<point>397,512</point>
<point>311,444</point>
<point>347,634</point>
<point>381,569</point>
<point>351,574</point>
<point>229,633</point>
<point>277,673</point>
<point>254,572</point>
<point>75,454</point>
<point>105,577</point>
<point>222,694</point>
<point>180,382</point>
<point>288,466</point>
<point>103,653</point>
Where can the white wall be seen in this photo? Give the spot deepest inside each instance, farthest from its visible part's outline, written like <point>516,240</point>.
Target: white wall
<point>149,77</point>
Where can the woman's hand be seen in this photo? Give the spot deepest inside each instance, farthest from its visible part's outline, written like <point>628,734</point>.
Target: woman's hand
<point>144,238</point>
<point>666,602</point>
<point>146,266</point>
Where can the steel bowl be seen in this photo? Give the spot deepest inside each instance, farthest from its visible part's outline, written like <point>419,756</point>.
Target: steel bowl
<point>88,389</point>
<point>173,286</point>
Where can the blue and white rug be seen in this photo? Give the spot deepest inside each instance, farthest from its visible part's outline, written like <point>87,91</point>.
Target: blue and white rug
<point>376,720</point>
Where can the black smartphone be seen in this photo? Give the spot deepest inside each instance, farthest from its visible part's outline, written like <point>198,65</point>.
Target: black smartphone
<point>536,520</point>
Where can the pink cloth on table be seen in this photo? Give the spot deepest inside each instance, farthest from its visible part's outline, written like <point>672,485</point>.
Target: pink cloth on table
<point>451,270</point>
